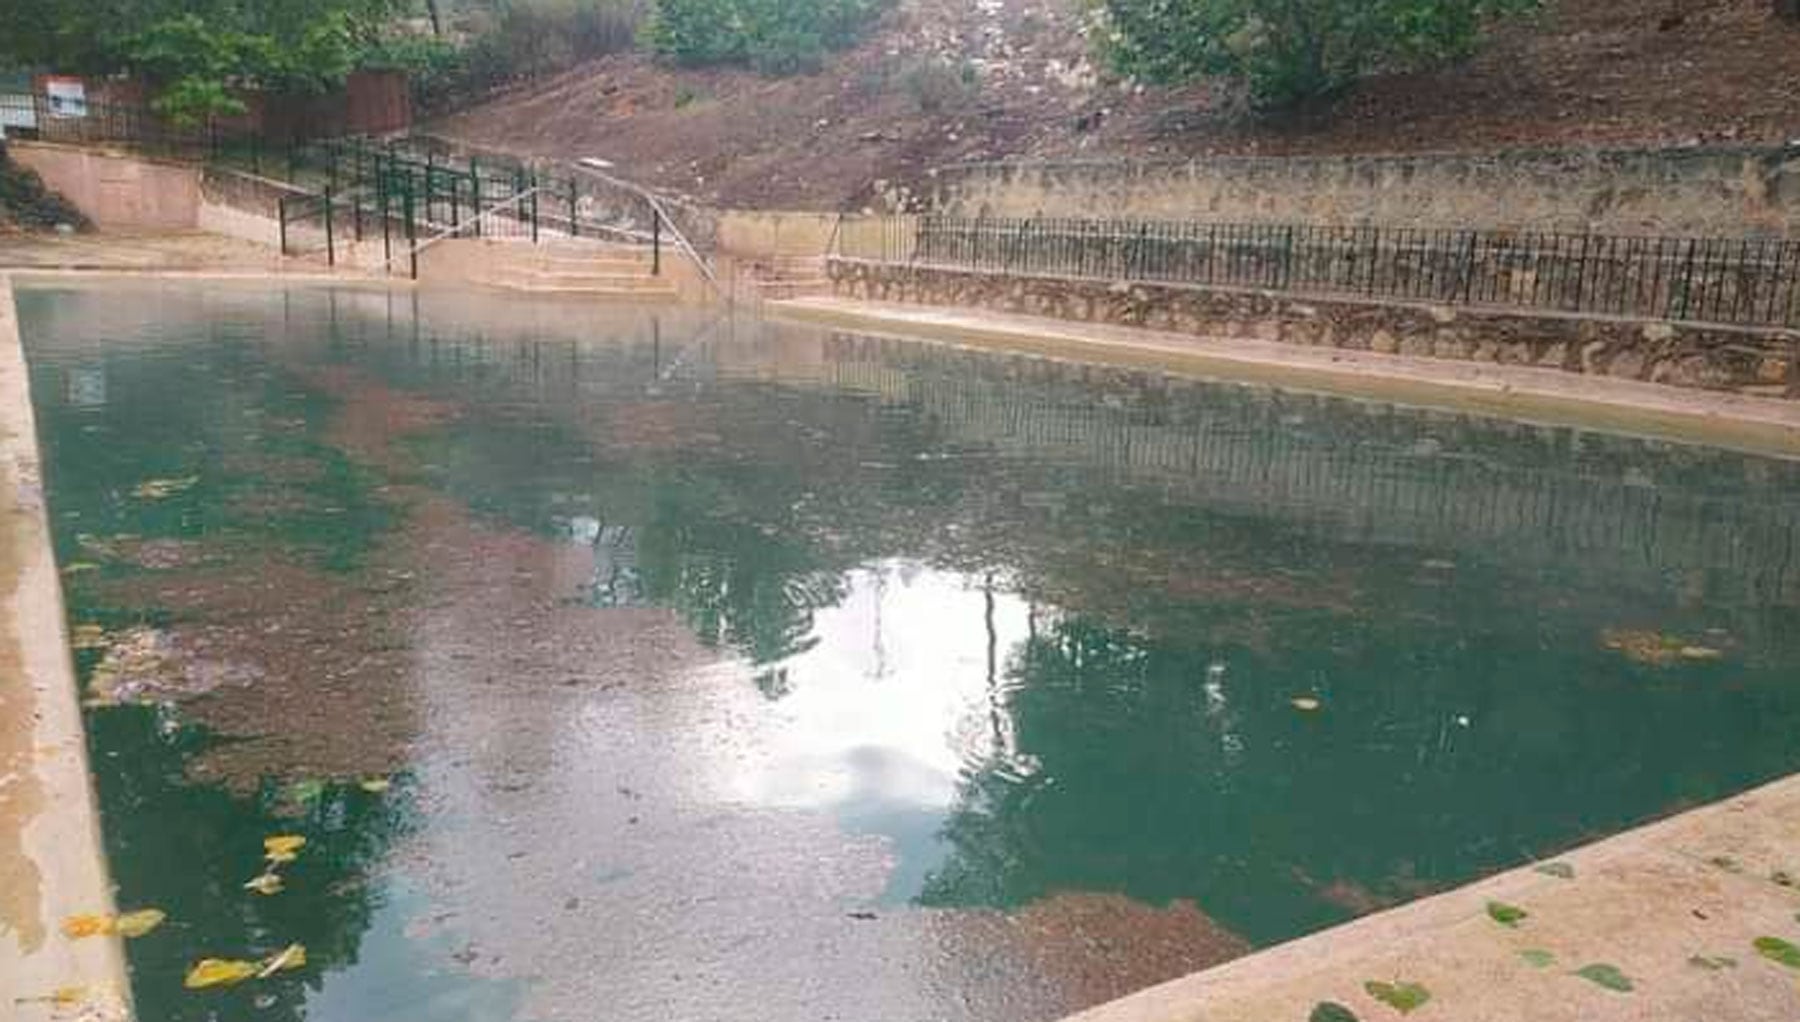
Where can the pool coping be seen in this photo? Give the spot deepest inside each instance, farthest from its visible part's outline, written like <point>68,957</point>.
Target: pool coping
<point>1738,422</point>
<point>60,833</point>
<point>1704,883</point>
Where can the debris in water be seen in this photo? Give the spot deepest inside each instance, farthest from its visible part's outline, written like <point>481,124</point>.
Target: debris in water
<point>128,925</point>
<point>375,785</point>
<point>283,848</point>
<point>218,972</point>
<point>286,960</point>
<point>265,884</point>
<point>1307,703</point>
<point>87,636</point>
<point>1656,649</point>
<point>161,489</point>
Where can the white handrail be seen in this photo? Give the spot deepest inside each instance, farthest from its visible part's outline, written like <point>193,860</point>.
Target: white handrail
<point>662,214</point>
<point>449,232</point>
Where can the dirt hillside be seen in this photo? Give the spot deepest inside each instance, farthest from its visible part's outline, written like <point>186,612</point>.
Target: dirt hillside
<point>943,81</point>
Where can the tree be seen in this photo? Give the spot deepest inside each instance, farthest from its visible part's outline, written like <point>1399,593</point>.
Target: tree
<point>195,51</point>
<point>1290,51</point>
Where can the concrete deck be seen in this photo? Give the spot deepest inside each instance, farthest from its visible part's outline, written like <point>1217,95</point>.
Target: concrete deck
<point>1757,424</point>
<point>1705,884</point>
<point>52,864</point>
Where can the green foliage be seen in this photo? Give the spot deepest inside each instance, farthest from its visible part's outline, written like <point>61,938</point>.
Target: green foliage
<point>1404,998</point>
<point>1606,975</point>
<point>1289,51</point>
<point>772,36</point>
<point>513,39</point>
<point>197,51</point>
<point>1506,915</point>
<point>1780,951</point>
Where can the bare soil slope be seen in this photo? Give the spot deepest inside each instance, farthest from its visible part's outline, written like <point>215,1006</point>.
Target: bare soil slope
<point>944,81</point>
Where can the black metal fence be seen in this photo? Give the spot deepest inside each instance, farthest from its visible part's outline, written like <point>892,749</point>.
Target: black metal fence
<point>1719,280</point>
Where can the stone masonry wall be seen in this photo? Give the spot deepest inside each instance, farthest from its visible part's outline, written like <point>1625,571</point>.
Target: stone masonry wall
<point>1693,192</point>
<point>1718,358</point>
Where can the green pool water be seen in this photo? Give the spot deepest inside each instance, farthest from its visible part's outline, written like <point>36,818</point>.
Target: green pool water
<point>630,663</point>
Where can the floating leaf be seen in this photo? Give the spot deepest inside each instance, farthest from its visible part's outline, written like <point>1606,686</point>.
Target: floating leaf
<point>265,884</point>
<point>1700,653</point>
<point>1307,703</point>
<point>1560,870</point>
<point>136,924</point>
<point>1504,914</point>
<point>1605,975</point>
<point>1331,1011</point>
<point>218,972</point>
<point>1538,958</point>
<point>286,960</point>
<point>87,636</point>
<point>160,489</point>
<point>87,926</point>
<point>77,567</point>
<point>283,847</point>
<point>304,793</point>
<point>1712,964</point>
<point>1402,997</point>
<point>375,785</point>
<point>1779,951</point>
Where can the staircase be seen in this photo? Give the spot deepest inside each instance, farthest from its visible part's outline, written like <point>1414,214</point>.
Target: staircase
<point>573,267</point>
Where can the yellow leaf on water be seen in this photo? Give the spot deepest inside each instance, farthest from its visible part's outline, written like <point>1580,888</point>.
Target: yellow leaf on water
<point>265,884</point>
<point>283,847</point>
<point>87,926</point>
<point>1307,703</point>
<point>136,924</point>
<point>218,972</point>
<point>87,636</point>
<point>286,960</point>
<point>77,567</point>
<point>376,785</point>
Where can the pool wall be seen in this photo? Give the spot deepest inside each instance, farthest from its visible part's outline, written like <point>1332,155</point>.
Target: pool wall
<point>51,863</point>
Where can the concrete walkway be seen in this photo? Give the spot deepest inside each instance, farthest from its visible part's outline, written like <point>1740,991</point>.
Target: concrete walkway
<point>52,865</point>
<point>1758,424</point>
<point>1676,907</point>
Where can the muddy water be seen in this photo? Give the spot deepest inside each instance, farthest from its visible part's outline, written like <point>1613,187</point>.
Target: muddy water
<point>637,665</point>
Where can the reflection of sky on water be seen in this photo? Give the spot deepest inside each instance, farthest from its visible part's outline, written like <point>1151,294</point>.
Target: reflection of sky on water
<point>882,716</point>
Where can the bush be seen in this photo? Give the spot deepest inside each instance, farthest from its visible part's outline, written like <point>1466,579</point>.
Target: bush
<point>1289,51</point>
<point>514,39</point>
<point>937,84</point>
<point>772,36</point>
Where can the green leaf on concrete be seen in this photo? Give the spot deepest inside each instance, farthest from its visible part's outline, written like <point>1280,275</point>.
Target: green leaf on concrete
<point>1605,975</point>
<point>1712,963</point>
<point>1538,958</point>
<point>1779,951</point>
<point>1402,997</point>
<point>1504,914</point>
<point>1560,870</point>
<point>1331,1011</point>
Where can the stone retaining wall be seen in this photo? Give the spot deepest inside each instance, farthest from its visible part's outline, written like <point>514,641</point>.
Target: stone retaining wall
<point>1688,355</point>
<point>1753,191</point>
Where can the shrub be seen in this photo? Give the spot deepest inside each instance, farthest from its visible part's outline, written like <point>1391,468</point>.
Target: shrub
<point>937,84</point>
<point>1289,51</point>
<point>772,36</point>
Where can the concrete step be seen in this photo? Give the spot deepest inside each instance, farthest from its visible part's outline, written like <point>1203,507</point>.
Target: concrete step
<point>776,290</point>
<point>595,291</point>
<point>568,278</point>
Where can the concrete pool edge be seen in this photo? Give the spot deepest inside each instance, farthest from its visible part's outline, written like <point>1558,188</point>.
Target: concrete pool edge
<point>1703,884</point>
<point>59,866</point>
<point>1546,396</point>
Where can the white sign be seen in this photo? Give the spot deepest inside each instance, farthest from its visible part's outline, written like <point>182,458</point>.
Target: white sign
<point>67,97</point>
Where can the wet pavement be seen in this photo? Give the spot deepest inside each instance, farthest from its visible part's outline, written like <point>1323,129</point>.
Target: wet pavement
<point>641,664</point>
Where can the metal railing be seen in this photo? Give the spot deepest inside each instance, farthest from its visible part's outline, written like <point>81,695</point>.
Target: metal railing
<point>1743,281</point>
